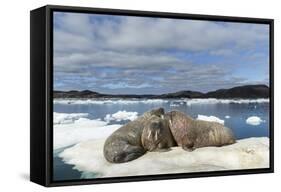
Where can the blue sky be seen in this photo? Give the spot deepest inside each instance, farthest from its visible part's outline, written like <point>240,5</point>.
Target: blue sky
<point>142,55</point>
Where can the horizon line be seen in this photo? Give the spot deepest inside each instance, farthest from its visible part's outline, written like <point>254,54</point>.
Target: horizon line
<point>164,93</point>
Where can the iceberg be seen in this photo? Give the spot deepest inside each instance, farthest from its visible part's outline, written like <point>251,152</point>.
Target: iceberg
<point>121,115</point>
<point>254,120</point>
<point>247,153</point>
<point>210,118</point>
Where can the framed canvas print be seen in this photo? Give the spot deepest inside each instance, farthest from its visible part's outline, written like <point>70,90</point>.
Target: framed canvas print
<point>122,95</point>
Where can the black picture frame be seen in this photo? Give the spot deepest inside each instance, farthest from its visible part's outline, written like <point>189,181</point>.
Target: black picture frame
<point>41,94</point>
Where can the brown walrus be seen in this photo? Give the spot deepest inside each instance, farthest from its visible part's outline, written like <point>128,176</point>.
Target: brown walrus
<point>156,131</point>
<point>191,134</point>
<point>156,135</point>
<point>125,144</point>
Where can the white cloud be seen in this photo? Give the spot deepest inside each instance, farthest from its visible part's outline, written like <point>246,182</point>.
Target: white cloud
<point>222,52</point>
<point>122,85</point>
<point>158,34</point>
<point>140,49</point>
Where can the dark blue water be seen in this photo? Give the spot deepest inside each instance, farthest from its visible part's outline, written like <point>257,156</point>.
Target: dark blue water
<point>237,122</point>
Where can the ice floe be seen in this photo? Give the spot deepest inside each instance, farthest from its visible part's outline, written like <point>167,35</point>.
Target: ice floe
<point>81,129</point>
<point>210,118</point>
<point>109,101</point>
<point>158,101</point>
<point>223,101</point>
<point>121,115</point>
<point>248,153</point>
<point>254,120</point>
<point>65,118</point>
<point>174,105</point>
<point>227,117</point>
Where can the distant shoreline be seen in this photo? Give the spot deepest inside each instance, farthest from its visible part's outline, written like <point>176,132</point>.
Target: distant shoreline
<point>240,92</point>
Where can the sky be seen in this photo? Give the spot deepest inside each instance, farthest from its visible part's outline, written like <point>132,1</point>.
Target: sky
<point>144,55</point>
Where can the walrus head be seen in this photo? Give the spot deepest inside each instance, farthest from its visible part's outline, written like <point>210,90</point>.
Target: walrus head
<point>159,112</point>
<point>154,134</point>
<point>180,126</point>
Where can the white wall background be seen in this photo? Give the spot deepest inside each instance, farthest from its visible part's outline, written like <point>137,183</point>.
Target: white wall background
<point>14,99</point>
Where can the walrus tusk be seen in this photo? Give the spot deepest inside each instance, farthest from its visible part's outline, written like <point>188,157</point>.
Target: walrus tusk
<point>149,134</point>
<point>156,135</point>
<point>170,122</point>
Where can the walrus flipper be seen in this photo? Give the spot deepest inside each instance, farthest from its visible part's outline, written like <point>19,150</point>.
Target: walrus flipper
<point>162,150</point>
<point>128,154</point>
<point>133,152</point>
<point>120,151</point>
<point>189,149</point>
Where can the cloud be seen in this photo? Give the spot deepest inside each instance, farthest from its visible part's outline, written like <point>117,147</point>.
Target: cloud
<point>161,34</point>
<point>222,52</point>
<point>123,85</point>
<point>147,55</point>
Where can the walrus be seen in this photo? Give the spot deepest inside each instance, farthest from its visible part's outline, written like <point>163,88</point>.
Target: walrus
<point>191,134</point>
<point>125,143</point>
<point>156,135</point>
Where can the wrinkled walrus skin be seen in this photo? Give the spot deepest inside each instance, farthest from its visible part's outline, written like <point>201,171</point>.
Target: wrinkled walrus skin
<point>156,135</point>
<point>125,143</point>
<point>157,131</point>
<point>191,134</point>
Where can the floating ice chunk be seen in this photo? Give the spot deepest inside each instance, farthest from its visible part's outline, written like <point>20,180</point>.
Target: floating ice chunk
<point>224,101</point>
<point>155,101</point>
<point>248,153</point>
<point>174,105</point>
<point>176,102</point>
<point>210,118</point>
<point>65,118</point>
<point>121,115</point>
<point>254,120</point>
<point>227,117</point>
<point>109,101</point>
<point>81,129</point>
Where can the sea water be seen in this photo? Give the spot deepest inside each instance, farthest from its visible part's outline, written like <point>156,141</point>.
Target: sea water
<point>233,113</point>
